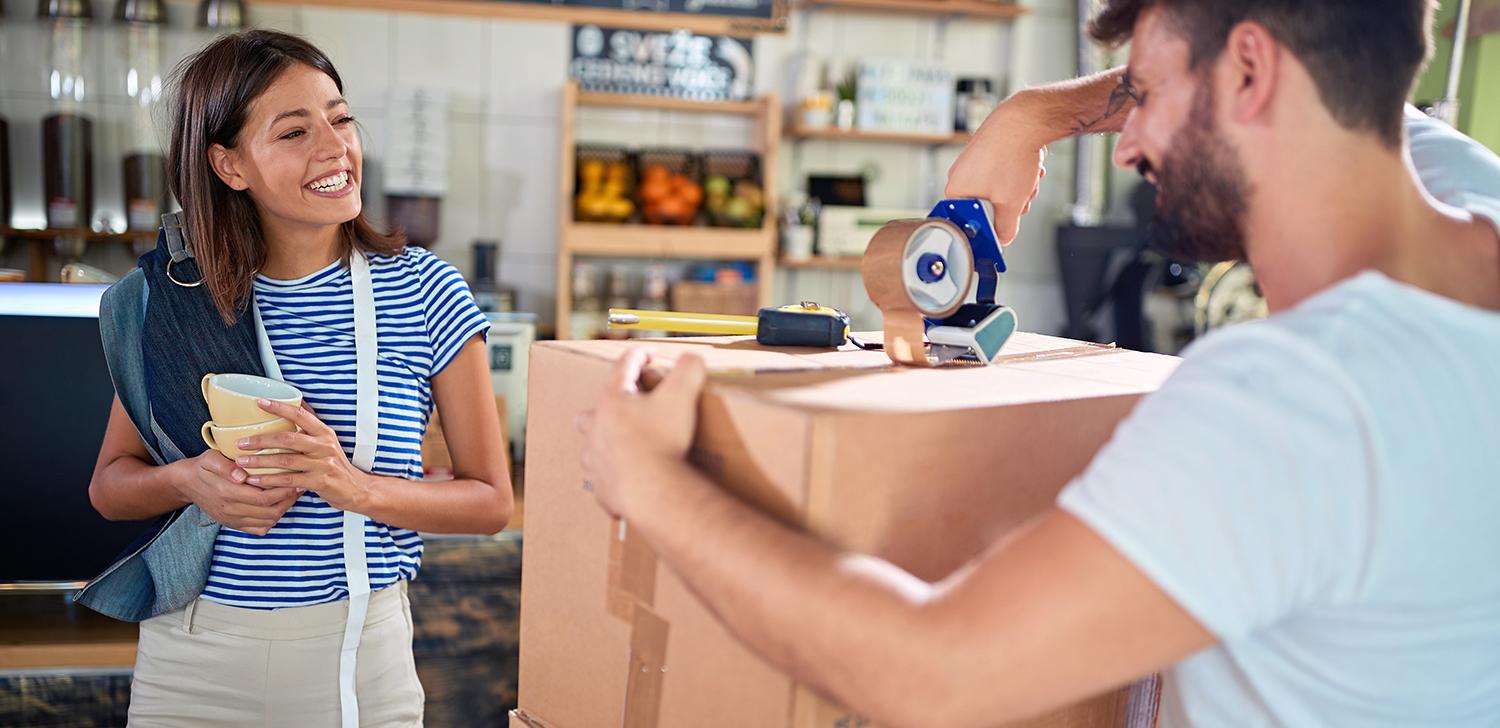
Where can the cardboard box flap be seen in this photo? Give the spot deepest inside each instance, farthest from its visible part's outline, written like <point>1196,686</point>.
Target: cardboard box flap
<point>1033,368</point>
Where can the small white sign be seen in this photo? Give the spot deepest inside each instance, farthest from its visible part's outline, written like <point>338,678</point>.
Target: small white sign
<point>904,96</point>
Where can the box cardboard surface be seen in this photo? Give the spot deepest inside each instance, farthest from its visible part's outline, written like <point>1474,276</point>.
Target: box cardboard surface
<point>925,468</point>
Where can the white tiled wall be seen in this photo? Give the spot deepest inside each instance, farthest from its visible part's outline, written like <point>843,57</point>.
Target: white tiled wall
<point>504,79</point>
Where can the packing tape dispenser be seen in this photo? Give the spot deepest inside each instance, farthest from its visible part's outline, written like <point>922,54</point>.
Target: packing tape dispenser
<point>920,272</point>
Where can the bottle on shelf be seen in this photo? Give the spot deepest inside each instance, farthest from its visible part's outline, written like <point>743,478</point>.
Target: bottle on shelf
<point>973,101</point>
<point>655,290</point>
<point>589,313</point>
<point>621,295</point>
<point>482,284</point>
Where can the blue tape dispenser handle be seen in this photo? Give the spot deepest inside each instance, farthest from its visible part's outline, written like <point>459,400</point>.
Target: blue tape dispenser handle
<point>976,218</point>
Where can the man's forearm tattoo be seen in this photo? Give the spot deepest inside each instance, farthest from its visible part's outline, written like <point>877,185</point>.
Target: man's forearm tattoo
<point>1122,93</point>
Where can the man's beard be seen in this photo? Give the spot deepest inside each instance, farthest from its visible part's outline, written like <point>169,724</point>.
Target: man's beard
<point>1201,196</point>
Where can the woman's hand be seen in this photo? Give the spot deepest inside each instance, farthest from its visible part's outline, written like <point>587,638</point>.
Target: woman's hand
<point>216,485</point>
<point>316,455</point>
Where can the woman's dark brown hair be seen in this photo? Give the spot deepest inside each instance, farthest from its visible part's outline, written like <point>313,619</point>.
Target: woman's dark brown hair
<point>214,90</point>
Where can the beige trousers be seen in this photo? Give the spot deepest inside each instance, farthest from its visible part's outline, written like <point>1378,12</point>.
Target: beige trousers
<point>215,665</point>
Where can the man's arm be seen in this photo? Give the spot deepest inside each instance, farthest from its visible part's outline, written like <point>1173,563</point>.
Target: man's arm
<point>1047,617</point>
<point>1002,163</point>
<point>1096,104</point>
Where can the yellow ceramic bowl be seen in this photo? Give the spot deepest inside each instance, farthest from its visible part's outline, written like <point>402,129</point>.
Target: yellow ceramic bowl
<point>223,439</point>
<point>231,397</point>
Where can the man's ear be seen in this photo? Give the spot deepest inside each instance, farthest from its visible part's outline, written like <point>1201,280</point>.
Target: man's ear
<point>226,164</point>
<point>1252,59</point>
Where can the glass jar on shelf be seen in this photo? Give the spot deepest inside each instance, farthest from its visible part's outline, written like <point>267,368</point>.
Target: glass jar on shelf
<point>68,130</point>
<point>144,167</point>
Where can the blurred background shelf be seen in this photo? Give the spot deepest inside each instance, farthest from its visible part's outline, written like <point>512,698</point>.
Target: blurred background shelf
<point>965,8</point>
<point>89,235</point>
<point>664,241</point>
<point>859,135</point>
<point>619,17</point>
<point>43,244</point>
<point>668,103</point>
<point>822,263</point>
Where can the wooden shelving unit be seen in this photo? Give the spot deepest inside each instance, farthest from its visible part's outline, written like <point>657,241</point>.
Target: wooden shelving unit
<point>577,239</point>
<point>668,103</point>
<point>41,241</point>
<point>664,241</point>
<point>941,13</point>
<point>638,19</point>
<point>968,8</point>
<point>823,262</point>
<point>859,135</point>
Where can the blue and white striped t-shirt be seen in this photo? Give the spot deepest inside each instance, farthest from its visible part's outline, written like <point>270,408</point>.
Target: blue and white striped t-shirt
<point>424,314</point>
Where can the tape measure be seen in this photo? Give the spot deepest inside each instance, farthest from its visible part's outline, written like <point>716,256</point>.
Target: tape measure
<point>800,324</point>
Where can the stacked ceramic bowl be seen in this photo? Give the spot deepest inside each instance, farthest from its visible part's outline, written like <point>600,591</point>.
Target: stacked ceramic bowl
<point>231,402</point>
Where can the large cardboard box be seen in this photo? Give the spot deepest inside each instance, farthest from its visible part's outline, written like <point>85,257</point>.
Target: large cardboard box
<point>922,467</point>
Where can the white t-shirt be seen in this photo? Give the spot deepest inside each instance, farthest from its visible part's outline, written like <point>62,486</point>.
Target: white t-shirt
<point>1453,167</point>
<point>1321,490</point>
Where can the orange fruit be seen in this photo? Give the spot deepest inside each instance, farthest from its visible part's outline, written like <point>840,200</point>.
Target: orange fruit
<point>653,191</point>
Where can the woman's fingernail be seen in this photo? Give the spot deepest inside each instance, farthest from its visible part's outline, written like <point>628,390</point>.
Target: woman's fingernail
<point>243,444</point>
<point>254,480</point>
<point>243,460</point>
<point>262,402</point>
<point>238,475</point>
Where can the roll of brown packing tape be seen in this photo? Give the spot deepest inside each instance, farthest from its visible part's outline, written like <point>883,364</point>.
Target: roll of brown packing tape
<point>883,269</point>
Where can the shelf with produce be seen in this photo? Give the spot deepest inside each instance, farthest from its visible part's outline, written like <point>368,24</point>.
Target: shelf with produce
<point>576,14</point>
<point>860,135</point>
<point>598,237</point>
<point>989,9</point>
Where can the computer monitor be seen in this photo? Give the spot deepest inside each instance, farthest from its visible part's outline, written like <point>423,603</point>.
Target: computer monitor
<point>55,395</point>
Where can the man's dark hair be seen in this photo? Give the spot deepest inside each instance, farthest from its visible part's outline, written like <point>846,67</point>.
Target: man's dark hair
<point>1364,55</point>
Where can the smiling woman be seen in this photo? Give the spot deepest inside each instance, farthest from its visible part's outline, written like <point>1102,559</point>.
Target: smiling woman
<point>297,614</point>
<point>265,111</point>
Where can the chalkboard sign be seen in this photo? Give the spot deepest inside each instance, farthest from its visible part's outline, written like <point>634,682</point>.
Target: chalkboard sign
<point>678,63</point>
